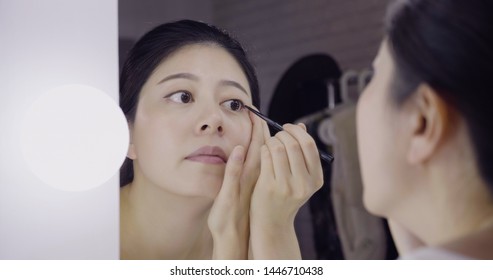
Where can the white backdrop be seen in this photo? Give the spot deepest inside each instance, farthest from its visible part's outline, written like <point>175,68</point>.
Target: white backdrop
<point>44,45</point>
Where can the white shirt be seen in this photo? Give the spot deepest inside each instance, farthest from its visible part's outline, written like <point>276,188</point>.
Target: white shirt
<point>433,253</point>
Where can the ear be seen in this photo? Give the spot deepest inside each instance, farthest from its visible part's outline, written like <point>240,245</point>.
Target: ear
<point>131,154</point>
<point>429,122</point>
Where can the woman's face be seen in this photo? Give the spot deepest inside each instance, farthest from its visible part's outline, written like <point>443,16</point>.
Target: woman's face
<point>188,121</point>
<point>381,140</point>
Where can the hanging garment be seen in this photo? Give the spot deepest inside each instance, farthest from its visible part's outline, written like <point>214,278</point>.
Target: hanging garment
<point>362,235</point>
<point>302,90</point>
<point>325,233</point>
<point>315,223</point>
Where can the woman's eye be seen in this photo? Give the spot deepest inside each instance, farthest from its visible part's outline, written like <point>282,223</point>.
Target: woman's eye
<point>181,97</point>
<point>234,105</point>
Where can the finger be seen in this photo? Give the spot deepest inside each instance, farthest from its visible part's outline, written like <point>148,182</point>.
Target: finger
<point>280,159</point>
<point>231,182</point>
<point>266,166</point>
<point>310,151</point>
<point>252,161</point>
<point>265,127</point>
<point>295,154</point>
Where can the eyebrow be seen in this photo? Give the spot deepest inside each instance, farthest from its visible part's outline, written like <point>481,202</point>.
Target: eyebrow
<point>233,84</point>
<point>195,78</point>
<point>187,76</point>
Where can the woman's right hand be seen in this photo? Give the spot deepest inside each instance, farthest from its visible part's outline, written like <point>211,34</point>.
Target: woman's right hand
<point>290,173</point>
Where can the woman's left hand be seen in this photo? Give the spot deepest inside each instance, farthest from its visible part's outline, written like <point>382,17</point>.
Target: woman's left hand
<point>229,217</point>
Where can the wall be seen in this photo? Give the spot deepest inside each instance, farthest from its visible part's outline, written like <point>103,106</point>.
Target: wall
<point>135,18</point>
<point>278,32</point>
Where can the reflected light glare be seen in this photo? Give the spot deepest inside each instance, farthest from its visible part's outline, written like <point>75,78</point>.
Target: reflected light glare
<point>74,137</point>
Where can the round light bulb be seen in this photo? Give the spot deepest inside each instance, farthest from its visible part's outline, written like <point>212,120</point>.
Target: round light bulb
<point>74,137</point>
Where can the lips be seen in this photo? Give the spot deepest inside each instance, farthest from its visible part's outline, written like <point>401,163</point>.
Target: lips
<point>208,154</point>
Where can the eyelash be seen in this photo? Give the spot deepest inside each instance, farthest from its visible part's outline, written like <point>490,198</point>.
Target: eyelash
<point>170,96</point>
<point>240,106</point>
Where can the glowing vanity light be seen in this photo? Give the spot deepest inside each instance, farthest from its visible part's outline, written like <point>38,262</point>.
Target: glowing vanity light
<point>74,137</point>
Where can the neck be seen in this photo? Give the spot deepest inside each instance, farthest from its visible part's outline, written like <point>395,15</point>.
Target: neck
<point>157,224</point>
<point>450,208</point>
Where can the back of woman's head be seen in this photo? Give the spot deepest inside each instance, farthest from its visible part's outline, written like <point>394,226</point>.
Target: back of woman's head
<point>158,44</point>
<point>448,44</point>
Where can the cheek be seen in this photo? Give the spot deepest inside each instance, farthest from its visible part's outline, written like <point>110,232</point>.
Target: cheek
<point>368,127</point>
<point>241,131</point>
<point>157,126</point>
<point>366,131</point>
<point>375,151</point>
<point>156,139</point>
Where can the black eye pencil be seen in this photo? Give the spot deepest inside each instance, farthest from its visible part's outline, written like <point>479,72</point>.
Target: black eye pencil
<point>323,155</point>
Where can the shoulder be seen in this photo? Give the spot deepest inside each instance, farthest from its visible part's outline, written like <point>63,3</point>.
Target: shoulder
<point>434,253</point>
<point>477,245</point>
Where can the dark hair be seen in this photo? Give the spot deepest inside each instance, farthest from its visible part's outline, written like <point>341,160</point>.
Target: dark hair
<point>157,45</point>
<point>448,44</point>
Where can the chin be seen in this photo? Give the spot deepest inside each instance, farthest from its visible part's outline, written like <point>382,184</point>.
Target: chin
<point>207,187</point>
<point>373,205</point>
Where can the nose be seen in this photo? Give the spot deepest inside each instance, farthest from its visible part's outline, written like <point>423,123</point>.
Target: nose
<point>210,122</point>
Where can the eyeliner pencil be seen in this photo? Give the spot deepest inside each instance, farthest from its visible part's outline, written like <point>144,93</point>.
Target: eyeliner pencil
<point>323,155</point>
